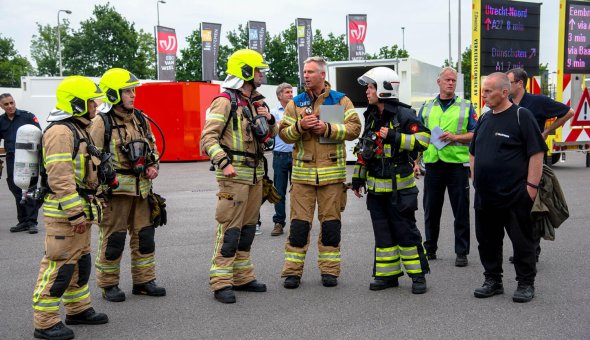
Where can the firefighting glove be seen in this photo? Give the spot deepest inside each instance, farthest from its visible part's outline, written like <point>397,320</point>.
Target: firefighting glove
<point>269,192</point>
<point>158,216</point>
<point>357,183</point>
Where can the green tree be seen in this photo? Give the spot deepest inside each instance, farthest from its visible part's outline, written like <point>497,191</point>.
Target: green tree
<point>189,64</point>
<point>389,52</point>
<point>44,47</point>
<point>108,40</point>
<point>12,65</point>
<point>237,40</point>
<point>333,48</point>
<point>281,53</point>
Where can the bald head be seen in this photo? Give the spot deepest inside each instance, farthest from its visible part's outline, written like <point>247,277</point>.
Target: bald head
<point>495,90</point>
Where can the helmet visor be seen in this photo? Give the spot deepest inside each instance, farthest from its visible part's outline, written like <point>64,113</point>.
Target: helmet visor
<point>365,81</point>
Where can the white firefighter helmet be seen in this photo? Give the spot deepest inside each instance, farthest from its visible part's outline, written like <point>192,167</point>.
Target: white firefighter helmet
<point>386,82</point>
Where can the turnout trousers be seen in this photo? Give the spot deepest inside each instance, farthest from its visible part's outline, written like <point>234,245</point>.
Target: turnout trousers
<point>331,201</point>
<point>453,177</point>
<point>125,214</point>
<point>489,230</point>
<point>397,239</point>
<point>238,206</point>
<point>63,276</point>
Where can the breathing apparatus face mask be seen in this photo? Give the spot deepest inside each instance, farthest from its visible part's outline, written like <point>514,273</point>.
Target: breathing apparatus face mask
<point>260,130</point>
<point>136,151</point>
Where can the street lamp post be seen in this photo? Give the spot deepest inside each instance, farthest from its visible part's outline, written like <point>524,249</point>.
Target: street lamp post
<point>59,39</point>
<point>158,9</point>
<point>403,38</point>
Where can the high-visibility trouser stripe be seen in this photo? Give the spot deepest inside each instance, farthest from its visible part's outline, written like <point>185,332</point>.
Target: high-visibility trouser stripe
<point>51,266</point>
<point>413,267</point>
<point>58,157</point>
<point>242,264</point>
<point>294,257</point>
<point>387,254</point>
<point>221,271</point>
<point>46,305</point>
<point>75,296</point>
<point>214,150</point>
<point>388,269</point>
<point>332,256</point>
<point>423,138</point>
<point>407,142</point>
<point>409,252</point>
<point>104,268</point>
<point>147,262</point>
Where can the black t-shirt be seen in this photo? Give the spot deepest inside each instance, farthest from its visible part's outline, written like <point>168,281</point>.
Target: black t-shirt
<point>502,147</point>
<point>543,108</point>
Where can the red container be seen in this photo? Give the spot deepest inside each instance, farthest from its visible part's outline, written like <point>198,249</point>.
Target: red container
<point>179,109</point>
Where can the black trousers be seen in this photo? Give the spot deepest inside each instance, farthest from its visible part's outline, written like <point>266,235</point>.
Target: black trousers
<point>489,230</point>
<point>454,177</point>
<point>26,213</point>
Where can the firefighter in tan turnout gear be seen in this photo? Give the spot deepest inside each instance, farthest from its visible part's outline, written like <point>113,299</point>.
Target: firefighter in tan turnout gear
<point>319,171</point>
<point>237,128</point>
<point>70,207</point>
<point>126,133</point>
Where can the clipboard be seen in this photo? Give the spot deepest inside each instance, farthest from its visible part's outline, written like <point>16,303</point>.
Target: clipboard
<point>333,114</point>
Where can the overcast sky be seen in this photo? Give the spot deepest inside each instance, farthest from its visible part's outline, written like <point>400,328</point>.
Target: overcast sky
<point>426,22</point>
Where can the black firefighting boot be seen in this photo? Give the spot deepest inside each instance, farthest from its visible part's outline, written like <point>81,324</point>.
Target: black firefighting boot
<point>489,288</point>
<point>225,295</point>
<point>383,283</point>
<point>57,332</point>
<point>252,286</point>
<point>87,317</point>
<point>292,282</point>
<point>149,288</point>
<point>113,294</point>
<point>419,285</point>
<point>329,280</point>
<point>524,293</point>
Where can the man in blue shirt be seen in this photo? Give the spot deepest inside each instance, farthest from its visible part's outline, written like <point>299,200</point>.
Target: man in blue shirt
<point>282,160</point>
<point>542,107</point>
<point>10,121</point>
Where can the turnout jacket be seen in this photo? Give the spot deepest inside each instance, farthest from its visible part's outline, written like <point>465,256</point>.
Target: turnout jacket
<point>227,143</point>
<point>125,127</point>
<point>315,163</point>
<point>406,134</point>
<point>71,178</point>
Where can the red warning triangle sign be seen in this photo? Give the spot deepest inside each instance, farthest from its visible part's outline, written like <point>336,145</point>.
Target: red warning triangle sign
<point>582,115</point>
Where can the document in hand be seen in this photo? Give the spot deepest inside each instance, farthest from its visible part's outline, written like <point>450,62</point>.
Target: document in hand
<point>435,138</point>
<point>333,114</point>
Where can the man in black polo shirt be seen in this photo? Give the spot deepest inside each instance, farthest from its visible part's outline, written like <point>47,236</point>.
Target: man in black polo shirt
<point>542,107</point>
<point>506,158</point>
<point>10,121</point>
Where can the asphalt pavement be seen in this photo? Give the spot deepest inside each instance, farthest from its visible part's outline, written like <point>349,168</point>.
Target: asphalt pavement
<point>560,309</point>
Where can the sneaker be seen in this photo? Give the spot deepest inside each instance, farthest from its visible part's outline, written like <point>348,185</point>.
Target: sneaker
<point>149,288</point>
<point>278,230</point>
<point>489,288</point>
<point>419,285</point>
<point>113,294</point>
<point>329,280</point>
<point>292,282</point>
<point>258,230</point>
<point>431,256</point>
<point>461,261</point>
<point>58,331</point>
<point>87,317</point>
<point>380,284</point>
<point>33,229</point>
<point>225,295</point>
<point>252,286</point>
<point>20,227</point>
<point>524,293</point>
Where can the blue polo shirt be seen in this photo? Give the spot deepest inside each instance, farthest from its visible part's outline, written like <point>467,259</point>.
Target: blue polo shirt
<point>543,108</point>
<point>9,127</point>
<point>280,146</point>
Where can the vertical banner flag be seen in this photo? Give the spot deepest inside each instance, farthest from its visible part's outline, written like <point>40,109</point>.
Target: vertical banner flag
<point>210,35</point>
<point>166,47</point>
<point>356,27</point>
<point>256,38</point>
<point>304,38</point>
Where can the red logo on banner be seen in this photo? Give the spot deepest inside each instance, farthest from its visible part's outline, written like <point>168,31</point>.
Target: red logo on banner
<point>357,31</point>
<point>167,42</point>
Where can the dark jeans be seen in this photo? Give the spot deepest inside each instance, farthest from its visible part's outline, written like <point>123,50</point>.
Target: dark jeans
<point>454,177</point>
<point>489,230</point>
<point>282,162</point>
<point>26,213</point>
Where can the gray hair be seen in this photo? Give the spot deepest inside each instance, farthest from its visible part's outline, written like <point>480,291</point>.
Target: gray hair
<point>503,83</point>
<point>283,86</point>
<point>447,69</point>
<point>5,95</point>
<point>318,60</point>
<point>519,74</point>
